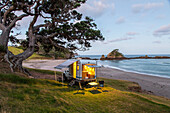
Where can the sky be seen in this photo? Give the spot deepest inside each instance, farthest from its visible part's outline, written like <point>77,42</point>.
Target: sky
<point>132,26</point>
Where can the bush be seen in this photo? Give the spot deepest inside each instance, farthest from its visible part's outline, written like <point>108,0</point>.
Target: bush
<point>59,55</point>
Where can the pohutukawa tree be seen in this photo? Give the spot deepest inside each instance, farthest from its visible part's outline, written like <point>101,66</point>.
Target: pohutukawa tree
<point>63,27</point>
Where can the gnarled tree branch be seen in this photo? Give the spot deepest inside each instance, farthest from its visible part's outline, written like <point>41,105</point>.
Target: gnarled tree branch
<point>2,27</point>
<point>6,13</point>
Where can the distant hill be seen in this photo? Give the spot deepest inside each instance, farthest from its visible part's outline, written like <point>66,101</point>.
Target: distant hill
<point>115,54</point>
<point>16,51</point>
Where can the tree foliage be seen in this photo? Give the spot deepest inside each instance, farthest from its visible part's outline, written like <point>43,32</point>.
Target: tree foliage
<point>63,26</point>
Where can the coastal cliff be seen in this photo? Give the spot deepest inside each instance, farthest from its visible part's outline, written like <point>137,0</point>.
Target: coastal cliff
<point>116,55</point>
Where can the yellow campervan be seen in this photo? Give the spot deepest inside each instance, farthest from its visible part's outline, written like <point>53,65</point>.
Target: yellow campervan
<point>79,70</point>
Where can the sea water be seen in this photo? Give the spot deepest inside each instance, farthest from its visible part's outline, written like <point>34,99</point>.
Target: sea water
<point>154,67</point>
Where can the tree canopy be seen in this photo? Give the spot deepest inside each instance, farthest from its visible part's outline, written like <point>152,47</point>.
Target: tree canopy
<point>63,26</point>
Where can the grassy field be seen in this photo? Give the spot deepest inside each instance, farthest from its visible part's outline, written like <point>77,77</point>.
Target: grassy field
<point>19,94</point>
<point>16,51</point>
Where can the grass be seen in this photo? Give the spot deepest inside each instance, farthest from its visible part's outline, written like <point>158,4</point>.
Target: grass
<point>19,94</point>
<point>119,84</point>
<point>12,78</point>
<point>45,71</point>
<point>16,51</point>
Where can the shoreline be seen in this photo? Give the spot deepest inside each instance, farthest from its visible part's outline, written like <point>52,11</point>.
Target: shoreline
<point>155,75</point>
<point>157,85</point>
<point>160,86</point>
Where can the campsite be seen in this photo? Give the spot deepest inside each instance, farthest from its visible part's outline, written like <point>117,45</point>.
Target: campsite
<point>20,94</point>
<point>84,56</point>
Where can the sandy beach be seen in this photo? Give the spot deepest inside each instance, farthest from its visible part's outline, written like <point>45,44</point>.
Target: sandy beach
<point>157,85</point>
<point>43,64</point>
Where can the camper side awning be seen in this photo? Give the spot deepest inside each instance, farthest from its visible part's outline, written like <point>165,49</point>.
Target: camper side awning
<point>65,64</point>
<point>93,66</point>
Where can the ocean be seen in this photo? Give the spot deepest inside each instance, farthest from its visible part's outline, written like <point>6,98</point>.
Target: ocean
<point>153,67</point>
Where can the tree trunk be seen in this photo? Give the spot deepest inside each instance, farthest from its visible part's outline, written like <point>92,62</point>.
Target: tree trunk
<point>4,40</point>
<point>16,61</point>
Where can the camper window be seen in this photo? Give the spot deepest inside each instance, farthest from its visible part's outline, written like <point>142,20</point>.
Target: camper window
<point>77,67</point>
<point>88,72</point>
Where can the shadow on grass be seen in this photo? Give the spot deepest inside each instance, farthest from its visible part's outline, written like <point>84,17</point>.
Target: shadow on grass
<point>95,91</point>
<point>105,91</point>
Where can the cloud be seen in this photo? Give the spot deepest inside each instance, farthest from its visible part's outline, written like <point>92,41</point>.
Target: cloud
<point>163,30</point>
<point>157,42</point>
<point>95,8</point>
<point>120,20</point>
<point>118,40</point>
<point>112,6</point>
<point>131,33</point>
<point>138,8</point>
<point>21,37</point>
<point>25,22</point>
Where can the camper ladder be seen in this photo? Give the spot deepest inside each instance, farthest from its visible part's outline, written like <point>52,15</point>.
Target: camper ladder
<point>72,83</point>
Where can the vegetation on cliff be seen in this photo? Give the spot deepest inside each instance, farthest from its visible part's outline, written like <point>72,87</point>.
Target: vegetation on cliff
<point>115,54</point>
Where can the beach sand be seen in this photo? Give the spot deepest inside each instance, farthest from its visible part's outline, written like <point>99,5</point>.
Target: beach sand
<point>157,85</point>
<point>43,64</point>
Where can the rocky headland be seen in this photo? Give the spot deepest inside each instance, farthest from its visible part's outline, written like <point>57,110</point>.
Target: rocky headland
<point>116,55</point>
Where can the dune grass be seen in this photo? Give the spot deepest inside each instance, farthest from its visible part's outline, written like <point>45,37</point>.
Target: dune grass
<point>19,94</point>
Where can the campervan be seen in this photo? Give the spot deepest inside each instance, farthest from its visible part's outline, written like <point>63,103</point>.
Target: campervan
<point>79,70</point>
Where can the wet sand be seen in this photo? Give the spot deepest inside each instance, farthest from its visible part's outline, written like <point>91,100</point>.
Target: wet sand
<point>157,85</point>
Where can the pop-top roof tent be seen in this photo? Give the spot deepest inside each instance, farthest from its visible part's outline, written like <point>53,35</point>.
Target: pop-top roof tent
<point>80,69</point>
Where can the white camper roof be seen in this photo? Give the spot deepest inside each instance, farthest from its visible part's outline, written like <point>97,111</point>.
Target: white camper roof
<point>66,64</point>
<point>93,66</point>
<point>88,61</point>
